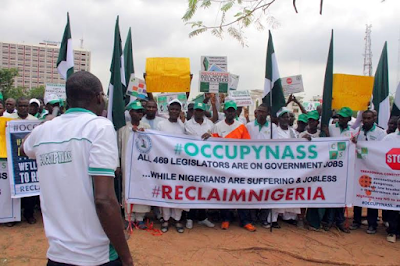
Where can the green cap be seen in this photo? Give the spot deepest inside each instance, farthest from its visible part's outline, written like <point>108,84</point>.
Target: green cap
<point>302,118</point>
<point>230,104</point>
<point>313,115</point>
<point>200,106</point>
<point>345,112</point>
<point>136,105</point>
<point>282,111</point>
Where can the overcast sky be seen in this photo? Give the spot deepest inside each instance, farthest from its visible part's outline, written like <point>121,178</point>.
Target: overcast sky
<point>301,40</point>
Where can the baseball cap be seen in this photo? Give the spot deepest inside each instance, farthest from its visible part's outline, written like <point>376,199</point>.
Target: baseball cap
<point>345,112</point>
<point>34,100</point>
<point>136,105</point>
<point>230,104</point>
<point>302,118</point>
<point>313,115</point>
<point>282,111</point>
<point>200,106</point>
<point>175,101</point>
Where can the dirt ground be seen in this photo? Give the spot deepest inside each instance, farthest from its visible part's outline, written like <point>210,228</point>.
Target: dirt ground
<point>26,244</point>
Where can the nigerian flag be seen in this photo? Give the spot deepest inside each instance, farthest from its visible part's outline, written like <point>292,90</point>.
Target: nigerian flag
<point>273,93</point>
<point>65,61</point>
<point>128,63</point>
<point>396,103</point>
<point>327,94</point>
<point>380,93</point>
<point>116,105</point>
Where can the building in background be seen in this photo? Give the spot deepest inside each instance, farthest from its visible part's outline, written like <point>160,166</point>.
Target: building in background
<point>37,64</point>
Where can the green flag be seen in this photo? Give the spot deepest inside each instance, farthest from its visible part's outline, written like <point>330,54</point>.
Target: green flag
<point>128,63</point>
<point>65,61</point>
<point>1,96</point>
<point>396,103</point>
<point>328,83</point>
<point>116,105</point>
<point>380,92</point>
<point>273,93</point>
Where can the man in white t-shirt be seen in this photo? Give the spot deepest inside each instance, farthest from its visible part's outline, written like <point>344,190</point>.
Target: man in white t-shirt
<point>201,126</point>
<point>9,104</point>
<point>77,155</point>
<point>172,125</point>
<point>150,117</point>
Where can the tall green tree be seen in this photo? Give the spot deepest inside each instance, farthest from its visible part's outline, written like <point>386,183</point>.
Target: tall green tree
<point>7,80</point>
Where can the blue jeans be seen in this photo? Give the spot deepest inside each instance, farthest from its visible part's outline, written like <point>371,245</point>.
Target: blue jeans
<point>335,215</point>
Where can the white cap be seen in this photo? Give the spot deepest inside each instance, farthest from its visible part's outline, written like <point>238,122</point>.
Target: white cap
<point>282,111</point>
<point>175,101</point>
<point>52,99</point>
<point>34,100</point>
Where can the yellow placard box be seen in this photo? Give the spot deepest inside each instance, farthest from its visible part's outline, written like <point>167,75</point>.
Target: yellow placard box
<point>351,91</point>
<point>3,148</point>
<point>168,74</point>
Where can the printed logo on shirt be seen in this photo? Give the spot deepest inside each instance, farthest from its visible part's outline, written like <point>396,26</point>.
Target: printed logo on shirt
<point>57,157</point>
<point>143,143</point>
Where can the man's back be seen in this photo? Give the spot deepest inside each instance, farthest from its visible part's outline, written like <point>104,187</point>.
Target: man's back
<point>69,150</point>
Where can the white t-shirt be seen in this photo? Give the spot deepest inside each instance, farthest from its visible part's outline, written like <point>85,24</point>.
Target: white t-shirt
<point>153,122</point>
<point>234,131</point>
<point>395,136</point>
<point>374,134</point>
<point>290,133</point>
<point>196,129</point>
<point>69,150</point>
<point>335,131</point>
<point>172,128</point>
<point>16,116</point>
<point>261,132</point>
<point>315,135</point>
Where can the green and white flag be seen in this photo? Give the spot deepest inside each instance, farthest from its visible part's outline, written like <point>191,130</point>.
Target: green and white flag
<point>273,92</point>
<point>396,103</point>
<point>380,93</point>
<point>1,96</point>
<point>65,61</point>
<point>328,84</point>
<point>128,63</point>
<point>116,104</point>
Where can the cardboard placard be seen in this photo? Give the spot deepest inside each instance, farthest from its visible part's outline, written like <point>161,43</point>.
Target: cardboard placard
<point>57,89</point>
<point>292,84</point>
<point>241,98</point>
<point>165,98</point>
<point>213,82</point>
<point>214,63</point>
<point>136,87</point>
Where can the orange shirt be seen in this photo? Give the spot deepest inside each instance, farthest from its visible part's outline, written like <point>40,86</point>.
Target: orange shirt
<point>235,131</point>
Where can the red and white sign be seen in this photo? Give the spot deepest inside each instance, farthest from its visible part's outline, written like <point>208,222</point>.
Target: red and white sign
<point>393,158</point>
<point>292,84</point>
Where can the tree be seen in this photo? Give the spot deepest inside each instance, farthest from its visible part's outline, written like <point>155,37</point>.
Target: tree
<point>248,12</point>
<point>7,80</point>
<point>36,92</point>
<point>16,93</point>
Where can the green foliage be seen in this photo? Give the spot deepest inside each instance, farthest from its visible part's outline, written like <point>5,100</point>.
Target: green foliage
<point>36,92</point>
<point>16,93</point>
<point>7,80</point>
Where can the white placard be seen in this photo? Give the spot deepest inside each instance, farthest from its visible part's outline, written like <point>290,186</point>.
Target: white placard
<point>292,84</point>
<point>56,89</point>
<point>214,63</point>
<point>241,98</point>
<point>10,209</point>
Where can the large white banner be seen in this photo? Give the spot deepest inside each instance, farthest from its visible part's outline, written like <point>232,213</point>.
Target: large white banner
<point>377,175</point>
<point>187,172</point>
<point>10,209</point>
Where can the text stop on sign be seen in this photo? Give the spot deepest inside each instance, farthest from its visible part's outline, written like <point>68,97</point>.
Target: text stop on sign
<point>393,158</point>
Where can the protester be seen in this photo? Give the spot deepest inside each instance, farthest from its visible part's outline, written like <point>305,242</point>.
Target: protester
<point>54,106</point>
<point>10,107</point>
<point>369,131</point>
<point>200,126</point>
<point>242,119</point>
<point>302,122</point>
<point>392,124</point>
<point>79,206</point>
<point>173,125</point>
<point>34,105</point>
<point>261,128</point>
<point>284,131</point>
<point>393,216</point>
<point>133,212</point>
<point>190,111</point>
<point>150,117</point>
<point>1,108</point>
<point>232,129</point>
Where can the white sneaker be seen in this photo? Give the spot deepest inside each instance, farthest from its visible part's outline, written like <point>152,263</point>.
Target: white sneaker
<point>391,238</point>
<point>364,222</point>
<point>189,224</point>
<point>207,223</point>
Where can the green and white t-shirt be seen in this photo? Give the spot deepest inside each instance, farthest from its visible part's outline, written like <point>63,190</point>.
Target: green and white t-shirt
<point>69,150</point>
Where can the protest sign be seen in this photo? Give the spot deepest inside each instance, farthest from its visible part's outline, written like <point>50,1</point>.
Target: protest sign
<point>311,106</point>
<point>168,74</point>
<point>213,82</point>
<point>136,87</point>
<point>377,175</point>
<point>214,63</point>
<point>241,98</point>
<point>351,91</point>
<point>292,84</point>
<point>165,98</point>
<point>24,181</point>
<point>56,89</point>
<point>233,81</point>
<point>3,147</point>
<point>187,172</point>
<point>10,209</point>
